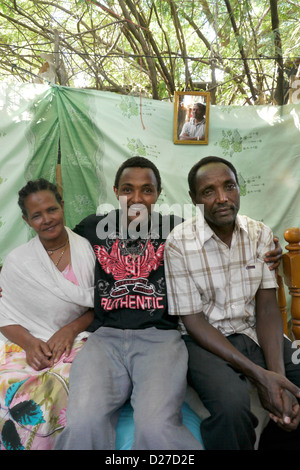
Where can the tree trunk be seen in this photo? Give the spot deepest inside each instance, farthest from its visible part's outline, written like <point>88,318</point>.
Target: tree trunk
<point>278,52</point>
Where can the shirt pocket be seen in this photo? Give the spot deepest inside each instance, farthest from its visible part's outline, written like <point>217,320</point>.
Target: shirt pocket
<point>252,277</point>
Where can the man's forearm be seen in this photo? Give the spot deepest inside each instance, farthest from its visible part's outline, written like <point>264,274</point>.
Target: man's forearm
<point>269,329</point>
<point>272,346</point>
<point>208,337</point>
<point>271,386</point>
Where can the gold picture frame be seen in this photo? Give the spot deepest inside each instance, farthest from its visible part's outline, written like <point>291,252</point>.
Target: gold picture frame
<point>188,106</point>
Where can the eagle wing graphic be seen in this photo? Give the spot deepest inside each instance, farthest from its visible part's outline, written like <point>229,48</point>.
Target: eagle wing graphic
<point>122,267</point>
<point>151,260</point>
<point>112,263</point>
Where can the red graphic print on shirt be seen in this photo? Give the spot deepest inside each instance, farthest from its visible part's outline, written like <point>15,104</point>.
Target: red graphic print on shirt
<point>130,273</point>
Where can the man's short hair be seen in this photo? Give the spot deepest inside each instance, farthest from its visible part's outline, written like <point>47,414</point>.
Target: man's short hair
<point>206,161</point>
<point>139,162</point>
<point>201,105</point>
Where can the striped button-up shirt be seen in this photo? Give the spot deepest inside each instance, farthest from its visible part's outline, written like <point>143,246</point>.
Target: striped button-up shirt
<point>204,275</point>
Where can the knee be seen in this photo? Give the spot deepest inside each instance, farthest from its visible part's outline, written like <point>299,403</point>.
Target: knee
<point>233,405</point>
<point>238,399</point>
<point>84,418</point>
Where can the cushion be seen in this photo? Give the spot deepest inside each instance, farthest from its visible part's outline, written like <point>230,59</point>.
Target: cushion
<point>125,427</point>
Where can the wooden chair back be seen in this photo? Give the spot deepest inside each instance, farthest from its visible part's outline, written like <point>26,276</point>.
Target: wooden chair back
<point>281,300</point>
<point>291,277</point>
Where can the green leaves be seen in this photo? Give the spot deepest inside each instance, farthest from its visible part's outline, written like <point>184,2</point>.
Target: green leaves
<point>119,46</point>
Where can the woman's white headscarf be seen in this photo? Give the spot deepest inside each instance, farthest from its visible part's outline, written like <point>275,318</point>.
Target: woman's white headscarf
<point>36,295</point>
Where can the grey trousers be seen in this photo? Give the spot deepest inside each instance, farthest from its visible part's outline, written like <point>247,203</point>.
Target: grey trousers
<point>149,367</point>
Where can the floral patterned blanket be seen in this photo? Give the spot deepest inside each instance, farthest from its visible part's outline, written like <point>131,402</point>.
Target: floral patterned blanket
<point>32,403</point>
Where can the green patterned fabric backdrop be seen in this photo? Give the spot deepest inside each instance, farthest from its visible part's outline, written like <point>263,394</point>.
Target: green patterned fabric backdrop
<point>97,131</point>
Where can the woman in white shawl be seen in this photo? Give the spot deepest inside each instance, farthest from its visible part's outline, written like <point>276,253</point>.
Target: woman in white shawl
<point>45,310</point>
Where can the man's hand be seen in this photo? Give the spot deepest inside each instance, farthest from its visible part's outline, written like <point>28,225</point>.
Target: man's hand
<point>274,256</point>
<point>279,396</point>
<point>289,423</point>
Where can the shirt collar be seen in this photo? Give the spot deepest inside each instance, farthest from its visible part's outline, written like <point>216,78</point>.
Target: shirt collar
<point>240,224</point>
<point>206,232</point>
<point>197,123</point>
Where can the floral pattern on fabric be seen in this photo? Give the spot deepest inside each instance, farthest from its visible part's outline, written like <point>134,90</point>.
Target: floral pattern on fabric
<point>32,403</point>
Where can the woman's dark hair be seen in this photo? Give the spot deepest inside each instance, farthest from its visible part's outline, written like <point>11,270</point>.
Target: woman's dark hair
<point>139,162</point>
<point>205,161</point>
<point>34,187</point>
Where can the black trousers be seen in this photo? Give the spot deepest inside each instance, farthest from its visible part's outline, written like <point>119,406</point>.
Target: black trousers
<point>224,392</point>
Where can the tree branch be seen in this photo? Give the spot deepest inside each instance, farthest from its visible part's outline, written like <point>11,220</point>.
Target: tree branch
<point>241,49</point>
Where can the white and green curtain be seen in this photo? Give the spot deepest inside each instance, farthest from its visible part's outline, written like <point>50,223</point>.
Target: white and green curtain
<point>94,132</point>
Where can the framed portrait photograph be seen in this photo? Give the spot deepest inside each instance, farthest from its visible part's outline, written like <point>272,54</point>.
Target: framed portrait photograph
<point>191,117</point>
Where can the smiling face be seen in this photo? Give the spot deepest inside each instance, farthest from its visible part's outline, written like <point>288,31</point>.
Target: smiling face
<point>217,189</point>
<point>46,216</point>
<point>138,187</point>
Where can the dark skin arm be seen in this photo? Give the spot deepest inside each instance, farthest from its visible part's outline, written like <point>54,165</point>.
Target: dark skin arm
<point>269,330</point>
<point>270,384</point>
<point>38,353</point>
<point>41,354</point>
<point>274,257</point>
<point>62,341</point>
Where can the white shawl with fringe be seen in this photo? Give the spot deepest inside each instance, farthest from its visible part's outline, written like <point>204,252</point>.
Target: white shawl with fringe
<point>36,295</point>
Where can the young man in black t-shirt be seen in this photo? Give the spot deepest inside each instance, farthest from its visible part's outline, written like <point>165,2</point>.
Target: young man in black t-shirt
<point>136,351</point>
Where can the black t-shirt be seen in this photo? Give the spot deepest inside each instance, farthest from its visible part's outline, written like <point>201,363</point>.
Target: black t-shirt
<point>130,288</point>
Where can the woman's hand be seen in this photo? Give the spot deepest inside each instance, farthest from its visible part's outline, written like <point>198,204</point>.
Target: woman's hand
<point>38,354</point>
<point>61,342</point>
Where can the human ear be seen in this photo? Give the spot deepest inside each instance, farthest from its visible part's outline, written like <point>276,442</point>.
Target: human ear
<point>116,192</point>
<point>192,196</point>
<point>26,220</point>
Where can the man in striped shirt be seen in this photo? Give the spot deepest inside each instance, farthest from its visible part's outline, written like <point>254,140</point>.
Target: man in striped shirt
<point>225,294</point>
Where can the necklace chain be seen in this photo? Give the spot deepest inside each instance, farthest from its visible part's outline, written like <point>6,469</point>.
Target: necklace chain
<point>135,251</point>
<point>50,252</point>
<point>62,253</point>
